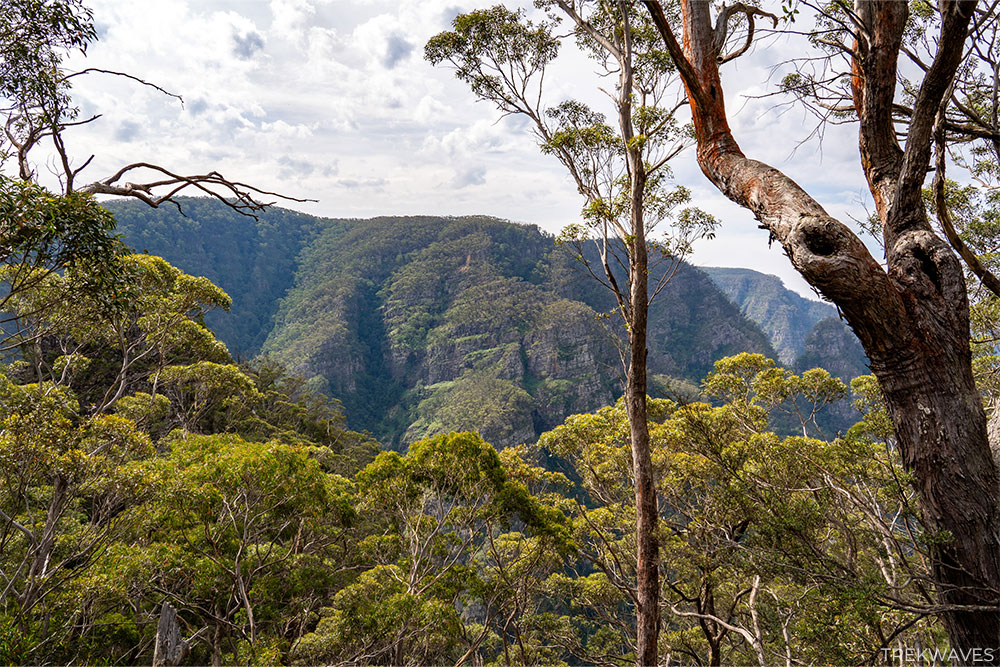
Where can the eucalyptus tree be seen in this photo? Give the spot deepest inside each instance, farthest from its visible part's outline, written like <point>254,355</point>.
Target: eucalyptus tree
<point>68,488</point>
<point>263,532</point>
<point>785,550</point>
<point>437,514</point>
<point>911,315</point>
<point>50,227</point>
<point>140,330</point>
<point>41,233</point>
<point>620,168</point>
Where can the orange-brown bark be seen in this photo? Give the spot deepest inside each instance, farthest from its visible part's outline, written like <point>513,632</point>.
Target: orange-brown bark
<point>911,319</point>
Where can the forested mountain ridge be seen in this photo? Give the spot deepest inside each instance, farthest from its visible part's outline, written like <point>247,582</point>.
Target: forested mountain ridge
<point>148,468</point>
<point>427,324</point>
<point>254,261</point>
<point>164,503</point>
<point>434,324</point>
<point>143,467</point>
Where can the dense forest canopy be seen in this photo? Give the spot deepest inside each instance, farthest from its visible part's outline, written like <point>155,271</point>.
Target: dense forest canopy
<point>236,494</point>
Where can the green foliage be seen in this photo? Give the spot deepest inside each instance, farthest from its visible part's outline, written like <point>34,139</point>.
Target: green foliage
<point>148,412</point>
<point>368,614</point>
<point>254,261</point>
<point>44,230</point>
<point>875,422</point>
<point>769,546</point>
<point>447,499</point>
<point>753,387</point>
<point>34,37</point>
<point>44,233</point>
<point>258,523</point>
<point>286,409</point>
<point>70,485</point>
<point>103,516</point>
<point>150,320</point>
<point>496,408</point>
<point>488,46</point>
<point>204,386</point>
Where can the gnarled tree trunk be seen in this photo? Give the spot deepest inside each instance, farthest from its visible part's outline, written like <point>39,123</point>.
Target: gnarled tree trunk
<point>912,319</point>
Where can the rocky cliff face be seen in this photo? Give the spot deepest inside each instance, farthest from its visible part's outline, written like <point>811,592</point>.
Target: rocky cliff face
<point>786,317</point>
<point>833,346</point>
<point>807,334</point>
<point>254,261</point>
<point>484,325</point>
<point>691,322</point>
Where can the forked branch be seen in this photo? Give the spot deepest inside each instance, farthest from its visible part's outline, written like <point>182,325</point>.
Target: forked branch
<point>241,197</point>
<point>722,28</point>
<point>824,251</point>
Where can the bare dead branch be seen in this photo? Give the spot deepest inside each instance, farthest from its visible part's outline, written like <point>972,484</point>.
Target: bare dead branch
<point>126,75</point>
<point>239,196</point>
<point>722,28</point>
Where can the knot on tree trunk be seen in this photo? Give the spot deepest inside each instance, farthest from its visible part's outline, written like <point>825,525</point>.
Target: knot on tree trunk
<point>820,241</point>
<point>820,249</point>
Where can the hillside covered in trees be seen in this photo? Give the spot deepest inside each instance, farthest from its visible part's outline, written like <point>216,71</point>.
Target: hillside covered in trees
<point>791,322</point>
<point>424,325</point>
<point>145,475</point>
<point>255,260</point>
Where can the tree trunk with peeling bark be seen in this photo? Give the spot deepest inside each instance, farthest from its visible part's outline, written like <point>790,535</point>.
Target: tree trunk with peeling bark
<point>913,318</point>
<point>647,513</point>
<point>646,509</point>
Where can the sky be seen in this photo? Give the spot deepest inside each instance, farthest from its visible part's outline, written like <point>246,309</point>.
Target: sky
<point>332,100</point>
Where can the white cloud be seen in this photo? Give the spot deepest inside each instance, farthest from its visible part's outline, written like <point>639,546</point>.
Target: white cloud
<point>290,18</point>
<point>331,99</point>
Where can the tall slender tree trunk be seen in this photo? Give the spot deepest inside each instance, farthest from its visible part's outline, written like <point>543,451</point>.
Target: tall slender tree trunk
<point>217,646</point>
<point>646,510</point>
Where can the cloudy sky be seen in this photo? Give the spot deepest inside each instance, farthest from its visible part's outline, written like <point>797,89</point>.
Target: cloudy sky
<point>332,100</point>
